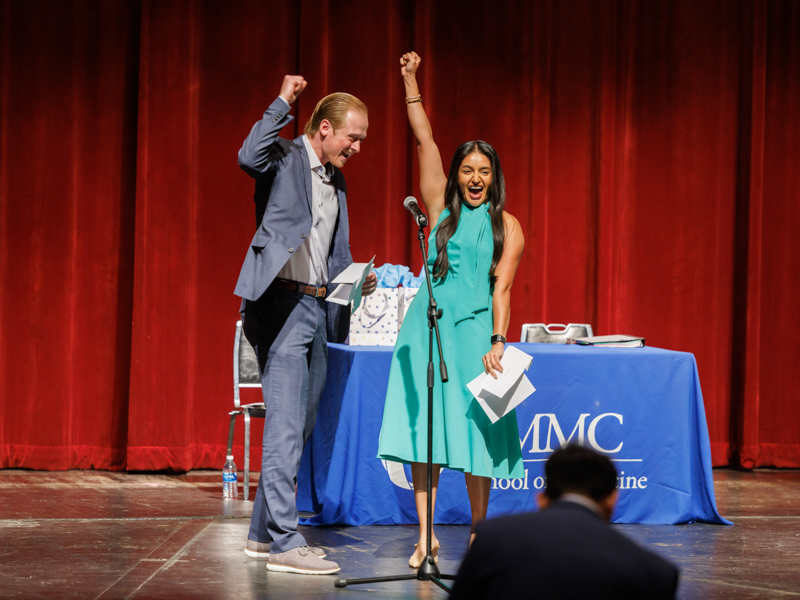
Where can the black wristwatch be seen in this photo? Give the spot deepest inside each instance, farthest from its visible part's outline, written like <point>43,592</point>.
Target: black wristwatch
<point>498,338</point>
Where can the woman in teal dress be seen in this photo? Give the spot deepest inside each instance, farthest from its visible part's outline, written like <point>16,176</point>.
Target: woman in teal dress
<point>474,250</point>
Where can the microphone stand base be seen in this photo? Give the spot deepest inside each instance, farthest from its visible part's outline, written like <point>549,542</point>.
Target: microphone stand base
<point>427,571</point>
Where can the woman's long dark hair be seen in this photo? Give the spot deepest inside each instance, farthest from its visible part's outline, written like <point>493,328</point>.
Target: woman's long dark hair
<point>495,196</point>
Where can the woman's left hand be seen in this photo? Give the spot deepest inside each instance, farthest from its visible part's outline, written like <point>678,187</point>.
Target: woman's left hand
<point>491,360</point>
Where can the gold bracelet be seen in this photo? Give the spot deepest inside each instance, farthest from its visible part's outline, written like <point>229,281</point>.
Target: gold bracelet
<point>413,101</point>
<point>413,97</point>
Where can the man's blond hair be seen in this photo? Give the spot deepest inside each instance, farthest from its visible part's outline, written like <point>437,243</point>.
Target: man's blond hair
<point>334,108</point>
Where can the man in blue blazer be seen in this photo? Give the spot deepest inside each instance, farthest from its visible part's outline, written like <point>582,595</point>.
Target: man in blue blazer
<point>301,243</point>
<point>567,549</point>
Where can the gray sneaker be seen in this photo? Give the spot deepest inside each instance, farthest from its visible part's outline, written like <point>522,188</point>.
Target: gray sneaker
<point>256,549</point>
<point>301,560</point>
<point>260,550</point>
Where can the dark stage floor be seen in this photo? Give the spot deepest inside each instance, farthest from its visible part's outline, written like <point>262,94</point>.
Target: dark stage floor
<point>88,534</point>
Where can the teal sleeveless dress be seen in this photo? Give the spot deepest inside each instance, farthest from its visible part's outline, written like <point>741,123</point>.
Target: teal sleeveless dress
<point>464,438</point>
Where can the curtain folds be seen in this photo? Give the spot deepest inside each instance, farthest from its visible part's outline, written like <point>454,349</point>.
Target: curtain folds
<point>649,150</point>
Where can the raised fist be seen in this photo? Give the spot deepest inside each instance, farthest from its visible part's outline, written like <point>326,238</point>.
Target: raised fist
<point>292,87</point>
<point>409,63</point>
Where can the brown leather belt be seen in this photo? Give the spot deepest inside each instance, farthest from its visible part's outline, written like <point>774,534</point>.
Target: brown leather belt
<point>296,286</point>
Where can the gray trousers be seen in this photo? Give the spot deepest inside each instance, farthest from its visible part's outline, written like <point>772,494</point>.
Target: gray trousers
<point>287,330</point>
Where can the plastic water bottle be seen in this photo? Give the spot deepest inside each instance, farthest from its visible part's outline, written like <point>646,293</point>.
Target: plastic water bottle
<point>230,488</point>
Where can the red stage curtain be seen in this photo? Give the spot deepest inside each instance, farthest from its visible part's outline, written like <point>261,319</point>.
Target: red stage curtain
<point>67,200</point>
<point>649,149</point>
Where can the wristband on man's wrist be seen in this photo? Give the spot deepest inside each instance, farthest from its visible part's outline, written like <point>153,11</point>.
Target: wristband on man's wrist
<point>498,338</point>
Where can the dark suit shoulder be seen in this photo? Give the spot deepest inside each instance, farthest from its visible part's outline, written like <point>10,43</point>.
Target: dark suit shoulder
<point>564,551</point>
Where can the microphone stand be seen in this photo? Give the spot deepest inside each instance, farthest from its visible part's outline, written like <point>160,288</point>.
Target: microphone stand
<point>428,570</point>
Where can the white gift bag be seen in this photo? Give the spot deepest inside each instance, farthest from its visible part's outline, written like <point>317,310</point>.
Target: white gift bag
<point>408,294</point>
<point>377,320</point>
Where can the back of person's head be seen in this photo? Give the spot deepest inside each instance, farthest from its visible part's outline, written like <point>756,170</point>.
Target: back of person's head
<point>574,469</point>
<point>334,107</point>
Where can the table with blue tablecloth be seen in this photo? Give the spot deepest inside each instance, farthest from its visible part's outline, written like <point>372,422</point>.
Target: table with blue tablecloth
<point>641,406</point>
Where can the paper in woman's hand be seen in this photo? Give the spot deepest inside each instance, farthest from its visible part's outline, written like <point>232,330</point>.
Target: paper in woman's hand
<point>500,396</point>
<point>350,281</point>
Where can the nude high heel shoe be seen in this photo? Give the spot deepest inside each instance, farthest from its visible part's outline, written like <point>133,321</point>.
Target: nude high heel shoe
<point>416,559</point>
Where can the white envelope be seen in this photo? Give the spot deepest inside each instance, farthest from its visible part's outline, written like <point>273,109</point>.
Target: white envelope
<point>500,396</point>
<point>350,281</point>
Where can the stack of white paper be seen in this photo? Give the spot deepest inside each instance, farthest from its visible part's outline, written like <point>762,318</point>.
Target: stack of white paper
<point>611,341</point>
<point>500,396</point>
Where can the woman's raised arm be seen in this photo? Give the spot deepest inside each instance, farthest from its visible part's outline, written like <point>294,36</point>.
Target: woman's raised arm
<point>432,178</point>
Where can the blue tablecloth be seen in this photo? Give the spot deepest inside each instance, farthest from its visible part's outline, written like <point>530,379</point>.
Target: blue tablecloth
<point>642,406</point>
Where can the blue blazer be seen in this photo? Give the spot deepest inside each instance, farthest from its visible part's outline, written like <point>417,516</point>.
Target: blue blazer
<point>282,173</point>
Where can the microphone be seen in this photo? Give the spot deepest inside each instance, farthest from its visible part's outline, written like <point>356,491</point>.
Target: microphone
<point>411,205</point>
